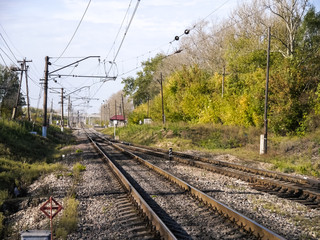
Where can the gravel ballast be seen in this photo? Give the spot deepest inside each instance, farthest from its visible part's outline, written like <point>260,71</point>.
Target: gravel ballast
<point>97,191</point>
<point>289,219</point>
<point>98,194</point>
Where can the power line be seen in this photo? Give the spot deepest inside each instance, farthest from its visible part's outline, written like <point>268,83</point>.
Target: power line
<point>35,82</point>
<point>130,70</point>
<point>74,31</point>
<point>134,12</point>
<point>203,39</point>
<point>10,40</point>
<point>9,57</point>
<point>178,36</point>
<point>8,47</point>
<point>114,42</point>
<point>3,60</point>
<point>215,10</point>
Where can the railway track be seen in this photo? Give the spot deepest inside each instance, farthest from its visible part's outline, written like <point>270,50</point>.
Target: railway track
<point>179,210</point>
<point>302,190</point>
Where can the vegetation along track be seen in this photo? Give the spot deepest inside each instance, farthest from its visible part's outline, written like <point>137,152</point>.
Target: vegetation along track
<point>300,189</point>
<point>187,218</point>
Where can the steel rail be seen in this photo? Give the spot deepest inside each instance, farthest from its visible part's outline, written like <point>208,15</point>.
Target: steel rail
<point>152,216</point>
<point>293,186</point>
<point>249,225</point>
<point>280,176</point>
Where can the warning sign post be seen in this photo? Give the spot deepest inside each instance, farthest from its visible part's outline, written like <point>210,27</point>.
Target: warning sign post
<point>51,208</point>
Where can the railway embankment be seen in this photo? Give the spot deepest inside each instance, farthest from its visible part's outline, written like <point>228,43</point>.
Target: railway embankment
<point>293,154</point>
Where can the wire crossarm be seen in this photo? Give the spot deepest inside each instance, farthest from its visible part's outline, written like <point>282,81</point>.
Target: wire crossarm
<point>73,64</point>
<point>84,76</point>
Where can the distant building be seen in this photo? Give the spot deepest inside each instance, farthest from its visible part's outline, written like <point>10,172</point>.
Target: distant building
<point>119,119</point>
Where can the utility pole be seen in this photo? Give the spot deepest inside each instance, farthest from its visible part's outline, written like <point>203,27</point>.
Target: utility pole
<point>223,74</point>
<point>28,101</point>
<point>104,114</point>
<point>101,115</point>
<point>78,118</point>
<point>264,150</point>
<point>62,117</point>
<point>14,112</point>
<point>24,68</point>
<point>69,108</point>
<point>72,118</point>
<point>45,97</point>
<point>148,107</point>
<point>51,112</point>
<point>47,73</point>
<point>122,106</point>
<point>109,111</point>
<point>163,116</point>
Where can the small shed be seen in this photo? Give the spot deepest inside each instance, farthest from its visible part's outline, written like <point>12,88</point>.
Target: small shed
<point>119,119</point>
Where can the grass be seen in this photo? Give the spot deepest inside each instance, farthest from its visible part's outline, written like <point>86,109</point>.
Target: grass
<point>24,157</point>
<point>289,154</point>
<point>17,143</point>
<point>22,174</point>
<point>68,222</point>
<point>77,169</point>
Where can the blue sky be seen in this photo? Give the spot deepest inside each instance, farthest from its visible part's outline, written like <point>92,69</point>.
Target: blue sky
<point>38,28</point>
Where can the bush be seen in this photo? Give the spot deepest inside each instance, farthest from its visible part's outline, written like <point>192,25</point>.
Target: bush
<point>69,219</point>
<point>78,167</point>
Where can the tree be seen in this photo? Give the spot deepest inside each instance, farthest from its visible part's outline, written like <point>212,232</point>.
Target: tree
<point>9,85</point>
<point>115,106</point>
<point>143,88</point>
<point>290,13</point>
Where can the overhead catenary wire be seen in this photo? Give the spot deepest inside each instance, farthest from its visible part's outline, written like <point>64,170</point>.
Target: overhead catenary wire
<point>74,32</point>
<point>176,38</point>
<point>124,36</point>
<point>114,42</point>
<point>203,39</point>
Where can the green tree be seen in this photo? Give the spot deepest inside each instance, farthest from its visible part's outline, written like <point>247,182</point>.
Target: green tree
<point>144,86</point>
<point>9,84</point>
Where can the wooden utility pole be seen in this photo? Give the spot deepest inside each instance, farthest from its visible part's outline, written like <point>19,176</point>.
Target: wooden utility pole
<point>51,112</point>
<point>45,97</point>
<point>24,68</point>
<point>148,112</point>
<point>104,114</point>
<point>109,111</point>
<point>162,105</point>
<point>15,108</point>
<point>62,117</point>
<point>69,109</point>
<point>223,74</point>
<point>27,89</point>
<point>265,137</point>
<point>122,106</point>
